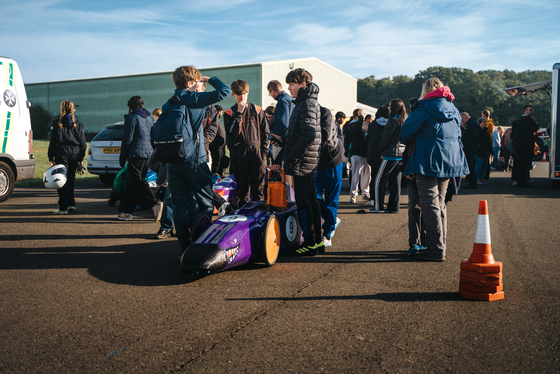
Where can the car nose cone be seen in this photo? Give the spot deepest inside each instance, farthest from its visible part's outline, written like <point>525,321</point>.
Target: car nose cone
<point>203,259</point>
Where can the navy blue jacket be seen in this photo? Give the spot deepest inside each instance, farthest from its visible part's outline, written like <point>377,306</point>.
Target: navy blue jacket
<point>435,124</point>
<point>470,134</point>
<point>136,136</point>
<point>282,113</point>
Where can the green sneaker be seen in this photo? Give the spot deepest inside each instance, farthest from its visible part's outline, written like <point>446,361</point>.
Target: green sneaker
<point>306,250</point>
<point>320,248</point>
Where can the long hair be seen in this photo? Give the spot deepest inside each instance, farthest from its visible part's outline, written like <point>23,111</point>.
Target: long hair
<point>67,107</point>
<point>430,85</point>
<point>396,107</point>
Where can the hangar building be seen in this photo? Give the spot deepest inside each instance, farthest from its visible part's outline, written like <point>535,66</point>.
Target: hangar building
<point>101,101</point>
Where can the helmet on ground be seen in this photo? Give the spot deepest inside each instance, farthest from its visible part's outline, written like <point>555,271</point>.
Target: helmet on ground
<point>55,177</point>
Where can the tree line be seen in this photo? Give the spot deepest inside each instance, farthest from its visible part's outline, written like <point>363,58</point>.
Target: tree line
<point>474,91</point>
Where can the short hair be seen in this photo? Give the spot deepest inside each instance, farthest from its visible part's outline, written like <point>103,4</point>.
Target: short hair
<point>156,112</point>
<point>274,86</point>
<point>269,110</point>
<point>239,87</point>
<point>412,101</point>
<point>184,74</point>
<point>219,109</point>
<point>340,115</point>
<point>356,112</point>
<point>299,76</point>
<point>430,85</point>
<point>382,111</point>
<point>527,106</point>
<point>486,113</point>
<point>368,116</point>
<point>481,120</point>
<point>135,102</point>
<point>396,107</point>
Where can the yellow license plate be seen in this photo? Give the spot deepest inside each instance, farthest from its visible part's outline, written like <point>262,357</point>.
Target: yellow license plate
<point>111,150</point>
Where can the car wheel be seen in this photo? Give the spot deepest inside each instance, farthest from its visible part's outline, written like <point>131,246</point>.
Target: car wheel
<point>107,178</point>
<point>199,226</point>
<point>271,247</point>
<point>7,181</point>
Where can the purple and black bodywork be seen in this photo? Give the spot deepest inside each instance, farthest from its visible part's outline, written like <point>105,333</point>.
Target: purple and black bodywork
<point>256,232</point>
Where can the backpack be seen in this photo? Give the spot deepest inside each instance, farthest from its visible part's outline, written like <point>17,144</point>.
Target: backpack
<point>173,134</point>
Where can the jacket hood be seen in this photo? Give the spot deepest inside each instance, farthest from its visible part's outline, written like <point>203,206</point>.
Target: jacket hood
<point>441,109</point>
<point>311,91</point>
<point>67,121</point>
<point>441,92</point>
<point>141,112</point>
<point>381,121</point>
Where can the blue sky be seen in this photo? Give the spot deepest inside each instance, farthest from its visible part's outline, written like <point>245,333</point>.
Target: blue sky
<point>56,40</point>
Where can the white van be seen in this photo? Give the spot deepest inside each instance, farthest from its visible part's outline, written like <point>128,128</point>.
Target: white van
<point>17,162</point>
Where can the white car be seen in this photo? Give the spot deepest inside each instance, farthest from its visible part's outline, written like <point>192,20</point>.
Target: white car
<point>104,151</point>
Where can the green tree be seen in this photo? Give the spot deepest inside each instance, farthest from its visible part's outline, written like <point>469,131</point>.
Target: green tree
<point>41,121</point>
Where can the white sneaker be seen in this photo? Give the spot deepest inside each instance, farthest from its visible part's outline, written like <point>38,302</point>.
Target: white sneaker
<point>338,221</point>
<point>370,203</point>
<point>71,208</point>
<point>124,216</point>
<point>352,200</point>
<point>58,211</point>
<point>327,242</point>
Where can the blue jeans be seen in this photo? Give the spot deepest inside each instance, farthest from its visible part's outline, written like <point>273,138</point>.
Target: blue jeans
<point>191,194</point>
<point>166,222</point>
<point>481,164</point>
<point>496,156</point>
<point>329,183</point>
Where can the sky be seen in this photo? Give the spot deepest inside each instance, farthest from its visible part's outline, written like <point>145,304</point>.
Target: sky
<point>57,40</point>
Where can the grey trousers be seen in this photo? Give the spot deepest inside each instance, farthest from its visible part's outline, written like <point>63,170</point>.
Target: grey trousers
<point>431,195</point>
<point>415,226</point>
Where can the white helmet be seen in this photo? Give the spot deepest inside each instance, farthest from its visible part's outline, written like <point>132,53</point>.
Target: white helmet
<point>55,177</point>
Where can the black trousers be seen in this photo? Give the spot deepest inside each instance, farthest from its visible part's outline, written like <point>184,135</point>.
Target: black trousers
<point>137,191</point>
<point>471,162</point>
<point>389,170</point>
<point>249,174</point>
<point>67,156</point>
<point>309,209</point>
<point>217,154</point>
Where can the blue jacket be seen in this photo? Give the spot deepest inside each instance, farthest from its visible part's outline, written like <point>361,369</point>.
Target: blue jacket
<point>436,126</point>
<point>196,103</point>
<point>282,113</point>
<point>136,136</point>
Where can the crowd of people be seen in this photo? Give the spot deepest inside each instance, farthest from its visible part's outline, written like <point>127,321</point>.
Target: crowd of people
<point>432,147</point>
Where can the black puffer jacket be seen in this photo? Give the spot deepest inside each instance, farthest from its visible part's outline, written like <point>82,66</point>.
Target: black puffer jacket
<point>390,144</point>
<point>303,142</point>
<point>374,134</point>
<point>332,142</point>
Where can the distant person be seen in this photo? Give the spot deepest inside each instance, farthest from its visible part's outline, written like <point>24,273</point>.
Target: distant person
<point>483,150</point>
<point>210,125</point>
<point>392,151</point>
<point>67,147</point>
<point>216,146</point>
<point>469,130</point>
<point>437,156</point>
<point>506,138</point>
<point>361,172</point>
<point>524,142</point>
<point>164,194</point>
<point>496,145</point>
<point>374,134</point>
<point>156,113</point>
<point>281,117</point>
<point>246,123</point>
<point>136,149</point>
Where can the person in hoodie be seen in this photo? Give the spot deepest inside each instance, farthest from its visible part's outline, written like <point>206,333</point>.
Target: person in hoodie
<point>391,150</point>
<point>68,147</point>
<point>136,149</point>
<point>328,180</point>
<point>361,172</point>
<point>374,134</point>
<point>300,155</point>
<point>435,124</point>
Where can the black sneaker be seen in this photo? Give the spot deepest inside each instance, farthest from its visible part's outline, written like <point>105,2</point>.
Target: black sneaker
<point>321,248</point>
<point>162,234</point>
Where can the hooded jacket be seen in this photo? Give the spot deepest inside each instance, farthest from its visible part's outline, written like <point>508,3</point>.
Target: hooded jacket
<point>303,143</point>
<point>358,142</point>
<point>435,124</point>
<point>67,139</point>
<point>390,146</point>
<point>332,142</point>
<point>374,134</point>
<point>282,113</point>
<point>136,136</point>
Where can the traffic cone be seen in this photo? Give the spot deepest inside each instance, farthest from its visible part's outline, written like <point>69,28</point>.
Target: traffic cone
<point>544,157</point>
<point>481,275</point>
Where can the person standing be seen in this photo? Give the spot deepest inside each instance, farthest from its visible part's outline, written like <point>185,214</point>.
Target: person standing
<point>374,135</point>
<point>391,152</point>
<point>281,117</point>
<point>328,180</point>
<point>67,147</point>
<point>469,130</point>
<point>437,156</point>
<point>216,147</point>
<point>301,154</point>
<point>136,149</point>
<point>246,123</point>
<point>496,145</point>
<point>361,172</point>
<point>524,142</point>
<point>483,150</point>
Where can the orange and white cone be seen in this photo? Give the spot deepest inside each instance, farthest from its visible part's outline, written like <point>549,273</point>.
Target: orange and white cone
<point>481,276</point>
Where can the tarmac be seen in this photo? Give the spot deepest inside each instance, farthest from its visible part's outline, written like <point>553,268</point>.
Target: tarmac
<point>88,293</point>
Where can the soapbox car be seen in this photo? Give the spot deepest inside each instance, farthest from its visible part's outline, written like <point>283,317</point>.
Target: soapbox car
<point>256,232</point>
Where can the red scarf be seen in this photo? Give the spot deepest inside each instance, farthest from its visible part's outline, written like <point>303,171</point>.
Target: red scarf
<point>441,92</point>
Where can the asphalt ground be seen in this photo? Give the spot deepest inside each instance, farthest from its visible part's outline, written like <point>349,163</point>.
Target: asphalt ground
<point>88,293</point>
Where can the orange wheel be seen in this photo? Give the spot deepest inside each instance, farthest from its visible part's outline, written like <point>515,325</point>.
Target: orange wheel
<point>271,241</point>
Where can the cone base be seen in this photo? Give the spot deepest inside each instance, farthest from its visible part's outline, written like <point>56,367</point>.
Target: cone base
<point>496,267</point>
<point>480,289</point>
<point>480,276</point>
<point>482,296</point>
<point>481,283</point>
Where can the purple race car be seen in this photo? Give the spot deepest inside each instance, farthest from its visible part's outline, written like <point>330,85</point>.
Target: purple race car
<point>256,232</point>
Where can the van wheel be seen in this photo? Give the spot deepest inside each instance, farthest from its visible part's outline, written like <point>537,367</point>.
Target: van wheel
<point>107,178</point>
<point>7,181</point>
<point>271,247</point>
